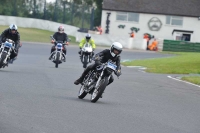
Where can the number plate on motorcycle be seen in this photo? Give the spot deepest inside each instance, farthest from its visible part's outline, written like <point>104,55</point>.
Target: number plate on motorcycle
<point>112,66</point>
<point>59,45</point>
<point>8,45</point>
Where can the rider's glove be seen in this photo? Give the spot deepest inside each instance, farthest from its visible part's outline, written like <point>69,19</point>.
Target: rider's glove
<point>15,50</point>
<point>118,73</point>
<point>52,41</point>
<point>67,43</point>
<point>9,40</point>
<point>20,44</point>
<point>96,58</point>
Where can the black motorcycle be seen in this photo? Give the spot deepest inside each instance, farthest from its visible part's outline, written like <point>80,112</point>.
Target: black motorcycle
<point>58,55</point>
<point>96,81</point>
<point>5,51</point>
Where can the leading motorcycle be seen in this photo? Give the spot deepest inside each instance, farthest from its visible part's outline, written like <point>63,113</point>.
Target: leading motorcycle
<point>96,81</point>
<point>5,51</point>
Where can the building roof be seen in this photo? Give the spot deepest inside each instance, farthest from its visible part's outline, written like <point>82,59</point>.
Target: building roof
<point>166,7</point>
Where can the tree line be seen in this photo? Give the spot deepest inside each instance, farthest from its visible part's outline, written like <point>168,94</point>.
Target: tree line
<point>80,13</point>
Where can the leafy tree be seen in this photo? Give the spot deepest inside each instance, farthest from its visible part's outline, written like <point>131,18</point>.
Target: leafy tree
<point>98,12</point>
<point>75,12</point>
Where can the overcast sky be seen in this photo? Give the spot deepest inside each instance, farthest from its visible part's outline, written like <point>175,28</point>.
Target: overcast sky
<point>50,0</point>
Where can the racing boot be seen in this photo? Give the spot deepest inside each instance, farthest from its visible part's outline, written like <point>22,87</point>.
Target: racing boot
<point>80,80</point>
<point>64,57</point>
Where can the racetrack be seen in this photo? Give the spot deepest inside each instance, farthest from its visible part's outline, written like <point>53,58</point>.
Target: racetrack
<point>36,97</point>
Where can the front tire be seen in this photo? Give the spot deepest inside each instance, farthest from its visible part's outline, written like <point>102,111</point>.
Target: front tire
<point>57,59</point>
<point>82,93</point>
<point>85,62</point>
<point>3,56</point>
<point>99,90</point>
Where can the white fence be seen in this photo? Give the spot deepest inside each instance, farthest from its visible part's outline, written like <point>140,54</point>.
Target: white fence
<point>107,40</point>
<point>36,23</point>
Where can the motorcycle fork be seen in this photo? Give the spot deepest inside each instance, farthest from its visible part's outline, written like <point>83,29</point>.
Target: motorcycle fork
<point>8,54</point>
<point>99,79</point>
<point>88,60</point>
<point>1,50</point>
<point>60,55</point>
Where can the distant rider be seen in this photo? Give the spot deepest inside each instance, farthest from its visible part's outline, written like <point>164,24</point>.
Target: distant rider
<point>13,34</point>
<point>90,41</point>
<point>60,36</point>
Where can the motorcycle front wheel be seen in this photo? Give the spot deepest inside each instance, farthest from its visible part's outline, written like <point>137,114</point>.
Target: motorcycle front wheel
<point>81,93</point>
<point>2,58</point>
<point>99,90</point>
<point>57,59</point>
<point>85,62</point>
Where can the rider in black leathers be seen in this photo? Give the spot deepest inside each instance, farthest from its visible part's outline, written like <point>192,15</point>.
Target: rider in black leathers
<point>102,57</point>
<point>13,34</point>
<point>60,36</point>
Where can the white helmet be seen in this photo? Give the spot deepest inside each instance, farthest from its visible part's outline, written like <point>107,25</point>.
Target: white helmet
<point>116,47</point>
<point>13,27</point>
<point>61,29</point>
<point>88,36</point>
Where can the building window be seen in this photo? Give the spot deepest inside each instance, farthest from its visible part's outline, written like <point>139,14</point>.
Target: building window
<point>130,17</point>
<point>122,16</point>
<point>174,20</point>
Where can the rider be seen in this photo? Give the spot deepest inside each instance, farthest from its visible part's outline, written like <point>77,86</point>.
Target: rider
<point>60,36</point>
<point>90,41</point>
<point>13,34</point>
<point>108,54</point>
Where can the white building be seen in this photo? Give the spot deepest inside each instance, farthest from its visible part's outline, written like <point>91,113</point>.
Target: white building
<point>167,19</point>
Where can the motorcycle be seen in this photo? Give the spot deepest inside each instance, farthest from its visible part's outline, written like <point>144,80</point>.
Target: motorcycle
<point>58,55</point>
<point>96,81</point>
<point>86,54</point>
<point>5,51</point>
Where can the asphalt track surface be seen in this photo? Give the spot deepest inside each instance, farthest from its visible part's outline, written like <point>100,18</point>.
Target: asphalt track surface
<point>36,97</point>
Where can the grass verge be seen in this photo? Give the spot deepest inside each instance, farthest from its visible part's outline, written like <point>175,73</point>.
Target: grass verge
<point>192,79</point>
<point>34,35</point>
<point>183,63</point>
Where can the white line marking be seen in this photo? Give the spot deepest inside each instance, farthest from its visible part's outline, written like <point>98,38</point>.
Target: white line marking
<point>134,66</point>
<point>142,71</point>
<point>183,81</point>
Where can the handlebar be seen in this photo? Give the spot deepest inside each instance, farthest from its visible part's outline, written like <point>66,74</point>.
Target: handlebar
<point>10,41</point>
<point>68,40</point>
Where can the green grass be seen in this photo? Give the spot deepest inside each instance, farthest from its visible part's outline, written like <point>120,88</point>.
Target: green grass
<point>183,63</point>
<point>193,79</point>
<point>34,35</point>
